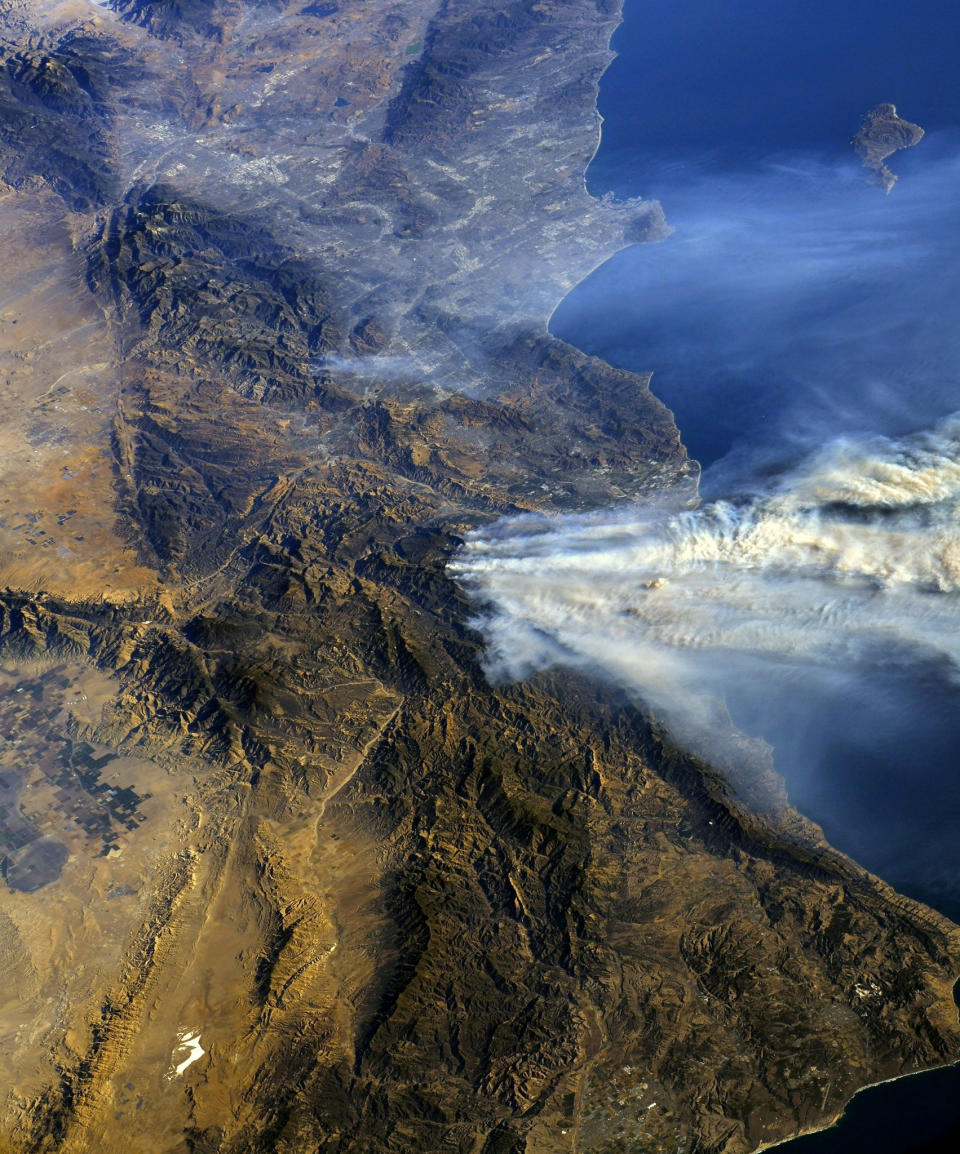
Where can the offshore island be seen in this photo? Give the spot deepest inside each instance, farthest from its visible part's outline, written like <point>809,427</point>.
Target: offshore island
<point>881,134</point>
<point>282,870</point>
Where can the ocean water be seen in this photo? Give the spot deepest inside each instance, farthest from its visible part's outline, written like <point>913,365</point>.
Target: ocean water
<point>786,274</point>
<point>795,306</point>
<point>796,311</point>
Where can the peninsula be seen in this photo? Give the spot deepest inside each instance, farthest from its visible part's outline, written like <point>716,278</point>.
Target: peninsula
<point>274,337</point>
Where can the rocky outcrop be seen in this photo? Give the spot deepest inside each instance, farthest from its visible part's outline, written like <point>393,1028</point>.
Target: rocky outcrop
<point>882,134</point>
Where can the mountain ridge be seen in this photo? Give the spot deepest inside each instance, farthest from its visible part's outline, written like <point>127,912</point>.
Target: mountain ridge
<point>404,909</point>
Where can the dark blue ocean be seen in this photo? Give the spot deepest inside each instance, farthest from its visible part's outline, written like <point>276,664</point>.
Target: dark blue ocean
<point>792,304</point>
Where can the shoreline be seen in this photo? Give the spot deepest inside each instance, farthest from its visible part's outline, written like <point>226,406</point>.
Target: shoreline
<point>616,24</point>
<point>955,1063</point>
<point>812,1130</point>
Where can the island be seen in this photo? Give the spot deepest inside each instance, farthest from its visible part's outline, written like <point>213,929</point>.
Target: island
<point>274,337</point>
<point>881,134</point>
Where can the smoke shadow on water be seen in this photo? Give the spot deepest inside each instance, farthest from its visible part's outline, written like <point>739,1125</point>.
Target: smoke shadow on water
<point>803,328</point>
<point>821,613</point>
<point>792,303</point>
<point>793,307</point>
<point>875,764</point>
<point>796,307</point>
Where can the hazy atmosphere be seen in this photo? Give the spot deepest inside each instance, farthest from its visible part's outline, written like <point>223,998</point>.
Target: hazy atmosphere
<point>820,612</point>
<point>478,521</point>
<point>801,324</point>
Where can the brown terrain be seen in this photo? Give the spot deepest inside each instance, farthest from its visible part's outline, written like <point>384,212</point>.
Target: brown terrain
<point>282,871</point>
<point>881,134</point>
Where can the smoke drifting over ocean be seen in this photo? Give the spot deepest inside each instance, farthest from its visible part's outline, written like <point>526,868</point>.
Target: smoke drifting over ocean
<point>851,560</point>
<point>820,615</point>
<point>803,328</point>
<point>792,303</point>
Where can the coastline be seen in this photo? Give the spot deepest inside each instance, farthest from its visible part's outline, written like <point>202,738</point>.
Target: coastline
<point>810,1131</point>
<point>526,880</point>
<point>838,1117</point>
<point>661,231</point>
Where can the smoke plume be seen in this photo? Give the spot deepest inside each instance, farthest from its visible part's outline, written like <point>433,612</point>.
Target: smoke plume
<point>847,565</point>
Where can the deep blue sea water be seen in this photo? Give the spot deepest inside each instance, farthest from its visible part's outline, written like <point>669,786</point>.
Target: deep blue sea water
<point>792,296</point>
<point>794,303</point>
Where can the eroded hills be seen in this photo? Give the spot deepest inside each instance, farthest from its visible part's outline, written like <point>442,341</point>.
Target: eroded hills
<point>276,338</point>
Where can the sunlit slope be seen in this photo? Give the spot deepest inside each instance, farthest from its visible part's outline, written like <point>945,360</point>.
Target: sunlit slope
<point>311,251</point>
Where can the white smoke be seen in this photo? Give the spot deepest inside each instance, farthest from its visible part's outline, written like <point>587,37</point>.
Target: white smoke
<point>373,366</point>
<point>849,562</point>
<point>790,305</point>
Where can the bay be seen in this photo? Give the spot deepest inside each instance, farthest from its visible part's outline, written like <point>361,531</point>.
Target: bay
<point>793,304</point>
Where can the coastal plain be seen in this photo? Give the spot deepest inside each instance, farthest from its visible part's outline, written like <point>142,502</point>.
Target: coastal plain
<point>276,338</point>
